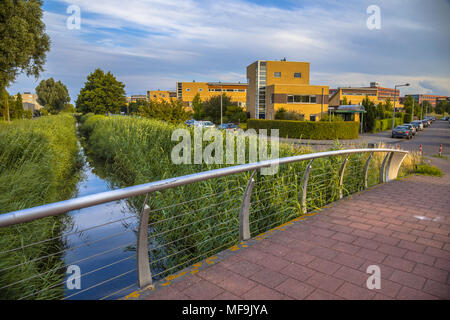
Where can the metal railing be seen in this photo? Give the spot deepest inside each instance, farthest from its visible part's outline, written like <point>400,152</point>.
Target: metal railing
<point>354,172</point>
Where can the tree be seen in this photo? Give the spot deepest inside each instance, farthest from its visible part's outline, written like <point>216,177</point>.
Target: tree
<point>426,107</point>
<point>101,94</point>
<point>18,107</point>
<point>235,114</point>
<point>441,107</point>
<point>211,107</point>
<point>388,105</point>
<point>380,111</point>
<point>197,106</point>
<point>23,44</point>
<point>173,111</point>
<point>54,96</point>
<point>370,116</point>
<point>344,101</point>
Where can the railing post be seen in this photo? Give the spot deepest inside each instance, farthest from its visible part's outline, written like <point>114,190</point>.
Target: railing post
<point>305,185</point>
<point>341,176</point>
<point>244,212</point>
<point>393,165</point>
<point>143,260</point>
<point>366,170</point>
<point>383,168</point>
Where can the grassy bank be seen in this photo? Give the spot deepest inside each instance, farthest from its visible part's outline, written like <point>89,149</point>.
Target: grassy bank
<point>195,221</point>
<point>38,162</point>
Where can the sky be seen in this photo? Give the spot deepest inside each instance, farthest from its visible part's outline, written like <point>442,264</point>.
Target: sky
<point>152,44</point>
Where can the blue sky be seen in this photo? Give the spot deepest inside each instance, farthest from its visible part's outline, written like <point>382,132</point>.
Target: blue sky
<point>153,44</point>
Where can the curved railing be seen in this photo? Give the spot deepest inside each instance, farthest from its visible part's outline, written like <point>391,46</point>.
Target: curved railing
<point>388,171</point>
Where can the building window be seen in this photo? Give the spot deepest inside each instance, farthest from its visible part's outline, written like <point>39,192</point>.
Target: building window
<point>277,74</point>
<point>301,99</point>
<point>187,89</point>
<point>230,90</point>
<point>297,75</point>
<point>312,117</point>
<point>200,89</point>
<point>163,95</point>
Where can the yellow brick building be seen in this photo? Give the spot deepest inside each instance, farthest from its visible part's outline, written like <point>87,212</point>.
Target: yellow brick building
<point>186,91</point>
<point>160,95</point>
<point>284,84</point>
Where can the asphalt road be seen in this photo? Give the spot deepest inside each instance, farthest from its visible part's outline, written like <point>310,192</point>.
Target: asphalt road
<point>430,139</point>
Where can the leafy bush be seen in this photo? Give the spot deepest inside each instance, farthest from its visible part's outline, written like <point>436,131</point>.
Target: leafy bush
<point>319,130</point>
<point>282,114</point>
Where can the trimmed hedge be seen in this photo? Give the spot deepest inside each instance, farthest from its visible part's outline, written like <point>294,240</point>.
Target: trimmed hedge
<point>319,130</point>
<point>386,124</point>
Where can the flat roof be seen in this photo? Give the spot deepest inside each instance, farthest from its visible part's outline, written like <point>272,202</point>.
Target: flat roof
<point>227,84</point>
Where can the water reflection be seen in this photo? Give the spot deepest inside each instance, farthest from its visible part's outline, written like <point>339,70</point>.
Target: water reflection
<point>101,241</point>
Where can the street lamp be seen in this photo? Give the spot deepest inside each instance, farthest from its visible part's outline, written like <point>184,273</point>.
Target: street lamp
<point>395,93</point>
<point>221,97</point>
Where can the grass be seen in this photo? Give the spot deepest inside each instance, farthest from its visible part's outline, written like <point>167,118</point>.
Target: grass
<point>195,221</point>
<point>439,156</point>
<point>38,162</point>
<point>428,170</point>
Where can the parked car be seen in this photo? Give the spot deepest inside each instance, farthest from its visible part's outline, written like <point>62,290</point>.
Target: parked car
<point>426,123</point>
<point>412,127</point>
<point>418,124</point>
<point>204,124</point>
<point>402,132</point>
<point>189,122</point>
<point>228,126</point>
<point>445,118</point>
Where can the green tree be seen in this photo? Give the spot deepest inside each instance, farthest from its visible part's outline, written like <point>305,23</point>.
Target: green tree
<point>380,111</point>
<point>101,94</point>
<point>426,107</point>
<point>370,117</point>
<point>170,111</point>
<point>23,44</point>
<point>197,106</point>
<point>53,95</point>
<point>211,107</point>
<point>235,113</point>
<point>388,105</point>
<point>345,101</point>
<point>441,107</point>
<point>18,107</point>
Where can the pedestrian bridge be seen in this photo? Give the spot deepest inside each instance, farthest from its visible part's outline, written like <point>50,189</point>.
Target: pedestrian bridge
<point>297,234</point>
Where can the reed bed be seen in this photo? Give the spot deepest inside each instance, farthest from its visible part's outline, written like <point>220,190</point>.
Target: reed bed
<point>196,221</point>
<point>38,163</point>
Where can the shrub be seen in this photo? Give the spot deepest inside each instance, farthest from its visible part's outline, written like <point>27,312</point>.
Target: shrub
<point>319,130</point>
<point>428,170</point>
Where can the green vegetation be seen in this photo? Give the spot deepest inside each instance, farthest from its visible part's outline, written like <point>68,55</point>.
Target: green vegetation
<point>23,44</point>
<point>196,221</point>
<point>283,114</point>
<point>171,111</point>
<point>318,130</point>
<point>38,159</point>
<point>101,94</point>
<point>428,170</point>
<point>54,96</point>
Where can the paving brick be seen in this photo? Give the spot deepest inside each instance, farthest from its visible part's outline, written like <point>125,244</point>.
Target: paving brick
<point>392,250</point>
<point>262,293</point>
<point>323,253</point>
<point>349,260</point>
<point>435,252</point>
<point>322,295</point>
<point>269,278</point>
<point>298,272</point>
<point>351,275</point>
<point>408,279</point>
<point>438,289</point>
<point>431,273</point>
<point>353,292</point>
<point>227,296</point>
<point>325,282</point>
<point>442,264</point>
<point>295,289</point>
<point>299,257</point>
<point>366,243</point>
<point>412,246</point>
<point>214,274</point>
<point>203,290</point>
<point>407,293</point>
<point>372,255</point>
<point>344,237</point>
<point>399,263</point>
<point>420,257</point>
<point>430,243</point>
<point>324,266</point>
<point>346,247</point>
<point>237,284</point>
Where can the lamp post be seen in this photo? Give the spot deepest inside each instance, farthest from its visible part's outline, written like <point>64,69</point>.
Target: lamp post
<point>395,93</point>
<point>221,98</point>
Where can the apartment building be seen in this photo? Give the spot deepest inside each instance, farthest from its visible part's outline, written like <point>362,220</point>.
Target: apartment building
<point>186,91</point>
<point>355,95</point>
<point>161,95</point>
<point>284,84</point>
<point>29,101</point>
<point>433,99</point>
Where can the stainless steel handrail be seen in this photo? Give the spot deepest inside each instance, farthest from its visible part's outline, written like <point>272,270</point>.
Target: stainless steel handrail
<point>52,209</point>
<point>388,171</point>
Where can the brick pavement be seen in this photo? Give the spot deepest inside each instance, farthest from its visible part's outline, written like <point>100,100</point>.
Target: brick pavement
<point>402,227</point>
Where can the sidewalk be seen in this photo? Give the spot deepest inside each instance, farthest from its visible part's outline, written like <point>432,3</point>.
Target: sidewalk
<point>402,227</point>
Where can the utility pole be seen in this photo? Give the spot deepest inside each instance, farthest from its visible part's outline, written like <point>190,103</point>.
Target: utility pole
<point>412,115</point>
<point>395,93</point>
<point>221,98</point>
<point>321,110</point>
<point>421,111</point>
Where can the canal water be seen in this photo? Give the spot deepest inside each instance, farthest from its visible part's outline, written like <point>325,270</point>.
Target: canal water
<point>100,242</point>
